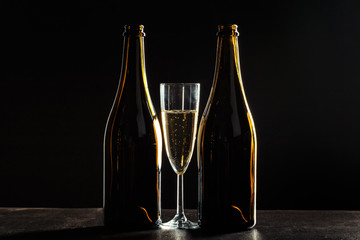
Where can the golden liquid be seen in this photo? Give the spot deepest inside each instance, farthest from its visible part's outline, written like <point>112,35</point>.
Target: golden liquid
<point>179,133</point>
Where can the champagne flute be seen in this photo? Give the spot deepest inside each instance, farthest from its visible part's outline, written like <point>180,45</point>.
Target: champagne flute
<point>179,116</point>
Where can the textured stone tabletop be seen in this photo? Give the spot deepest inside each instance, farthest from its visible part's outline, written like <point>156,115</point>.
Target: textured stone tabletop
<point>86,223</point>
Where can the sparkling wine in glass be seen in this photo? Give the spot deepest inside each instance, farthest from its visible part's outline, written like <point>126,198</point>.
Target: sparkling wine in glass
<point>179,116</point>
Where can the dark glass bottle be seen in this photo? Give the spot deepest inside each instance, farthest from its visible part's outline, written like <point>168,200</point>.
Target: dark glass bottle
<point>132,145</point>
<point>226,145</point>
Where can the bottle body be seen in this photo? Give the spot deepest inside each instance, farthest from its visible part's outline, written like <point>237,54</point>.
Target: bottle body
<point>227,145</point>
<point>132,145</point>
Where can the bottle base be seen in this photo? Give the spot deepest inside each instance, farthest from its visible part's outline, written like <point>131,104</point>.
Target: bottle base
<point>125,226</point>
<point>222,227</point>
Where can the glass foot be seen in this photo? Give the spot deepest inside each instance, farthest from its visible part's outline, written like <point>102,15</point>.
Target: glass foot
<point>179,222</point>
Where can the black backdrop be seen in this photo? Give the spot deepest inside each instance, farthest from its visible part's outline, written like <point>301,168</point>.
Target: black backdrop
<point>60,68</point>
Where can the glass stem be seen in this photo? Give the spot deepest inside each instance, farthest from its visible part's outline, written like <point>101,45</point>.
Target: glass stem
<point>180,196</point>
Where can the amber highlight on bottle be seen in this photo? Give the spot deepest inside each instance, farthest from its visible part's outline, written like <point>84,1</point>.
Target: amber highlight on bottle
<point>226,145</point>
<point>132,145</point>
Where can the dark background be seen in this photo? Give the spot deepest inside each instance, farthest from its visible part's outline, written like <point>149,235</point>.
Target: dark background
<point>60,68</point>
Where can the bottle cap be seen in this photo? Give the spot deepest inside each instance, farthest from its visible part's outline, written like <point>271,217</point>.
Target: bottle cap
<point>228,29</point>
<point>134,29</point>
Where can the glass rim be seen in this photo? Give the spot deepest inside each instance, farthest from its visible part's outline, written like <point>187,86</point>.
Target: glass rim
<point>179,83</point>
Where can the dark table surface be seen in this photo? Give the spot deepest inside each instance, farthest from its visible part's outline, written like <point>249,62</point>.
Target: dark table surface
<point>86,223</point>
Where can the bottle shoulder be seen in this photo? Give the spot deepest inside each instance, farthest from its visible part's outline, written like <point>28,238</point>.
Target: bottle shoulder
<point>131,117</point>
<point>223,110</point>
<point>226,114</point>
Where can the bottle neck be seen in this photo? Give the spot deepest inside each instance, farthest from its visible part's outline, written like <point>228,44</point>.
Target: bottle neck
<point>133,62</point>
<point>133,73</point>
<point>227,56</point>
<point>227,78</point>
